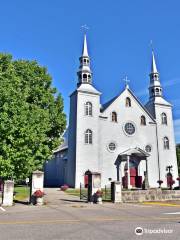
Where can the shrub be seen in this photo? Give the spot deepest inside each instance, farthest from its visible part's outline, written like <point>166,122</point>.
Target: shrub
<point>38,194</point>
<point>64,187</point>
<point>99,193</point>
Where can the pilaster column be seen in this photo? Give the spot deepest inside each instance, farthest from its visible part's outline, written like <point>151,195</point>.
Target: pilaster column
<point>128,172</point>
<point>120,172</point>
<point>146,177</point>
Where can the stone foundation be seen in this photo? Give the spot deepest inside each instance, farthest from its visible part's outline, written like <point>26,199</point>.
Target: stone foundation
<point>150,195</point>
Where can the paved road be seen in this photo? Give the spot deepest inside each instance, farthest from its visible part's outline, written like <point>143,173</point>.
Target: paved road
<point>65,218</point>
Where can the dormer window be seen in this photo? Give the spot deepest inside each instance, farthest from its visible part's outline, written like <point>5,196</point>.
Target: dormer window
<point>114,117</point>
<point>128,102</point>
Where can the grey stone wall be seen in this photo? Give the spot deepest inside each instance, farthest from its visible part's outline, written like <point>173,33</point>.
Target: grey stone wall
<point>150,195</point>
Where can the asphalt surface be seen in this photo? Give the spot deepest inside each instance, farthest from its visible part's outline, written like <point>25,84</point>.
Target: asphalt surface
<point>65,218</point>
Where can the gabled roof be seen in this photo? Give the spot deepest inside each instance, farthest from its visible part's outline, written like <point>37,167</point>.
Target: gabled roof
<point>135,151</point>
<point>106,105</point>
<point>62,147</point>
<point>159,101</point>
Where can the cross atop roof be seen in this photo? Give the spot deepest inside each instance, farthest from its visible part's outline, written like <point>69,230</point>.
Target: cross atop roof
<point>126,80</point>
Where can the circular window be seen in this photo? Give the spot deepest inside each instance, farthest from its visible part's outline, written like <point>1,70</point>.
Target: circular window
<point>129,128</point>
<point>148,148</point>
<point>112,147</point>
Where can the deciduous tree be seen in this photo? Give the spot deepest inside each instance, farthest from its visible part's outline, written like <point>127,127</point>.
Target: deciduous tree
<point>31,117</point>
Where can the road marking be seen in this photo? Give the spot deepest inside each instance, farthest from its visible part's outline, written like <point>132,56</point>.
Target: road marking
<point>75,221</point>
<point>2,209</point>
<point>173,213</point>
<point>162,204</point>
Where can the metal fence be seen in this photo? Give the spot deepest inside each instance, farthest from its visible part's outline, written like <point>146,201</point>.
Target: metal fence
<point>107,193</point>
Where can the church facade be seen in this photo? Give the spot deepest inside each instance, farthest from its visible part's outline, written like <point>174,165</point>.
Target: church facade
<point>122,139</point>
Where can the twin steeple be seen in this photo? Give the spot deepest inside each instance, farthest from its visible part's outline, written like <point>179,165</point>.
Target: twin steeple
<point>155,89</point>
<point>84,73</point>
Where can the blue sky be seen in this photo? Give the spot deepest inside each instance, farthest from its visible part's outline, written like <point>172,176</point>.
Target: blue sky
<point>119,42</point>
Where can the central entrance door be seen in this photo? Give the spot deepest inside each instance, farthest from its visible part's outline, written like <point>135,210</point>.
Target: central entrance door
<point>135,180</point>
<point>133,176</point>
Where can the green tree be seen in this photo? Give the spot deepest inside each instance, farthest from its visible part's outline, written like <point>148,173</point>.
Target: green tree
<point>31,117</point>
<point>178,156</point>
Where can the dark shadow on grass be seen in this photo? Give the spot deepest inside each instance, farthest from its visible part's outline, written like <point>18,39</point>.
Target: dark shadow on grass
<point>21,202</point>
<point>79,201</point>
<point>106,200</point>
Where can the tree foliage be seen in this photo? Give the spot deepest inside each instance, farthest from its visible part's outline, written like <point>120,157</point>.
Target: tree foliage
<point>178,156</point>
<point>31,117</point>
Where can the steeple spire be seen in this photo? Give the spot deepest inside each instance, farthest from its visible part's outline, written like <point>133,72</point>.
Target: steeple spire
<point>153,65</point>
<point>84,73</point>
<point>155,89</point>
<point>85,50</point>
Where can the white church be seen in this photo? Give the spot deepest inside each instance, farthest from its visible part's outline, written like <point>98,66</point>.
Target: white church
<point>122,139</point>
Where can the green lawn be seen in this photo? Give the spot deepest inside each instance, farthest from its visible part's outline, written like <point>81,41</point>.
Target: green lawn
<point>72,191</point>
<point>21,192</point>
<point>76,192</point>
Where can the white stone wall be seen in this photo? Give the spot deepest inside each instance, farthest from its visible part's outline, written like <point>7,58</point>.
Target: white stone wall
<point>86,154</point>
<point>111,131</point>
<point>167,157</point>
<point>97,157</point>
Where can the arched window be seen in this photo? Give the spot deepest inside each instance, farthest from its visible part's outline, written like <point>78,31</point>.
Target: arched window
<point>143,120</point>
<point>84,77</point>
<point>164,118</point>
<point>166,143</point>
<point>89,78</point>
<point>128,102</point>
<point>114,117</point>
<point>88,136</point>
<point>157,91</point>
<point>88,109</point>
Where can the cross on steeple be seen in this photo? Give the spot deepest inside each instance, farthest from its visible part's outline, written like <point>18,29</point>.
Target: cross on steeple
<point>151,44</point>
<point>126,80</point>
<point>84,28</point>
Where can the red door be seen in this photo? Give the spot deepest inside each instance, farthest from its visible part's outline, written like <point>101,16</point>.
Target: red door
<point>169,179</point>
<point>133,175</point>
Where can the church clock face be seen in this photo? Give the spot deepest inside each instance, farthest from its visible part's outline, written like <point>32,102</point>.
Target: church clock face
<point>129,128</point>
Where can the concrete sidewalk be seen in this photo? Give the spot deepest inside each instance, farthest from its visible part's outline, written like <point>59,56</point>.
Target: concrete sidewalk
<point>54,196</point>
